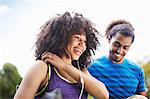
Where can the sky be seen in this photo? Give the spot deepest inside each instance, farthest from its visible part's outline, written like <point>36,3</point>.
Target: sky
<point>20,21</point>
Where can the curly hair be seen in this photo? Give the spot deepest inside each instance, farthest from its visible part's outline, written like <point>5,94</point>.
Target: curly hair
<point>56,33</point>
<point>119,26</point>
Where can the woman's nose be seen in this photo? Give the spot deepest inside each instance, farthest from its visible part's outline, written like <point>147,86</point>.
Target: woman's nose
<point>82,43</point>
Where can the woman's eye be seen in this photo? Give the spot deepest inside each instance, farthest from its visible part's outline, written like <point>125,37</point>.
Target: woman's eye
<point>85,42</point>
<point>77,37</point>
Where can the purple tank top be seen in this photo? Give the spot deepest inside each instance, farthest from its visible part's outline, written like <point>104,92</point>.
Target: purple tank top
<point>68,90</point>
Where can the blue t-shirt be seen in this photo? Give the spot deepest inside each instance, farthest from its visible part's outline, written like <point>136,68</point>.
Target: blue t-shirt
<point>122,80</point>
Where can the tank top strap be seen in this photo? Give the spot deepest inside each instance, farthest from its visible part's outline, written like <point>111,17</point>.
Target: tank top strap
<point>44,84</point>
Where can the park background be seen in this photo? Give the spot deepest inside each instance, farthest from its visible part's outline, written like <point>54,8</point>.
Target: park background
<point>20,21</point>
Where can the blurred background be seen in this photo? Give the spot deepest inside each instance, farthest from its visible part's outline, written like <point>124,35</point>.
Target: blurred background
<point>20,21</point>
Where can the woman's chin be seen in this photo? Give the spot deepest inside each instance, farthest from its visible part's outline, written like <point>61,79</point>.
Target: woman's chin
<point>75,58</point>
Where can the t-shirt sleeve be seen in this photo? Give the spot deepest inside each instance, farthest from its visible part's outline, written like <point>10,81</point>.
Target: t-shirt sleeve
<point>90,69</point>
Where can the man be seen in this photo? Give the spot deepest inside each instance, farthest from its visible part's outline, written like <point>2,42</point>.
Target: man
<point>122,77</point>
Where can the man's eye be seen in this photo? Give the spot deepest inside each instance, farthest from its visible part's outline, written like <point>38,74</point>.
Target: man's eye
<point>126,47</point>
<point>116,44</point>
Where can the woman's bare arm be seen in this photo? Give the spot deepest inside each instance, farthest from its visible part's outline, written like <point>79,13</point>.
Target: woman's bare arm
<point>92,85</point>
<point>32,81</point>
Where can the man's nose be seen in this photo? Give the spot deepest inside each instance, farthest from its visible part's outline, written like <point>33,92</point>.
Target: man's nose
<point>119,50</point>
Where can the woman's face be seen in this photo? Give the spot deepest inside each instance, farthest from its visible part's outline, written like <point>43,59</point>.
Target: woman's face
<point>76,46</point>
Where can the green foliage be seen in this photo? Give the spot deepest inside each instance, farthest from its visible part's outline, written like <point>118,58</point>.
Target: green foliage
<point>9,78</point>
<point>146,68</point>
<point>90,97</point>
<point>148,94</point>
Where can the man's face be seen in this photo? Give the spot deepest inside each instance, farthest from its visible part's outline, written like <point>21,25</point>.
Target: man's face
<point>119,46</point>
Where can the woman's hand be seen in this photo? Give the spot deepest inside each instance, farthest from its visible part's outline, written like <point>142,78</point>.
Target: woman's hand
<point>59,63</point>
<point>97,89</point>
<point>55,60</point>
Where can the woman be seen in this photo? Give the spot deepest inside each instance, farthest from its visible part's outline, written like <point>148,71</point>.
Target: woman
<point>64,45</point>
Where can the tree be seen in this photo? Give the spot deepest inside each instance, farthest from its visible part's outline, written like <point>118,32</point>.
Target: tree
<point>9,78</point>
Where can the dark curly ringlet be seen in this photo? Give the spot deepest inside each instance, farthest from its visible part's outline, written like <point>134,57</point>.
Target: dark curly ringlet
<point>119,26</point>
<point>56,33</point>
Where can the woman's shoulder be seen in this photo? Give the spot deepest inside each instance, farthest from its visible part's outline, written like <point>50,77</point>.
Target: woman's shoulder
<point>32,79</point>
<point>38,69</point>
<point>41,64</point>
